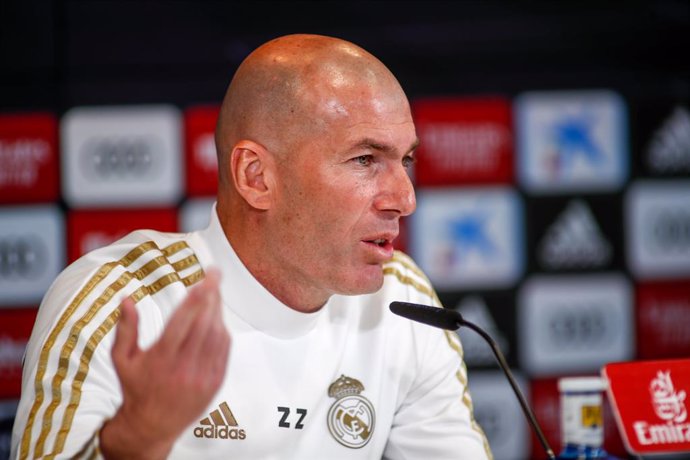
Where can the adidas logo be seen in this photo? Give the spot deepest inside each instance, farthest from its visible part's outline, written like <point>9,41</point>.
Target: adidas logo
<point>574,240</point>
<point>669,149</point>
<point>220,425</point>
<point>474,309</point>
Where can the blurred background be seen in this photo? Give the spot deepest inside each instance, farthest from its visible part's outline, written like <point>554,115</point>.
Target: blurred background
<point>553,176</point>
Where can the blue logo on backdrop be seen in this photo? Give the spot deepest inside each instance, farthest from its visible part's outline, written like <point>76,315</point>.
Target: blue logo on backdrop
<point>573,137</point>
<point>469,233</point>
<point>469,237</point>
<point>571,141</point>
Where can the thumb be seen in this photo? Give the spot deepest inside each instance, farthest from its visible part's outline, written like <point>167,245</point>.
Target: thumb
<point>127,333</point>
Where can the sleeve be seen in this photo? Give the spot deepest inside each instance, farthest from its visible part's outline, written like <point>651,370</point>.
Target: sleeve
<point>69,386</point>
<point>435,419</point>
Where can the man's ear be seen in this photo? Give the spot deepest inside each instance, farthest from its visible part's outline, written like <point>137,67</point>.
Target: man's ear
<point>252,167</point>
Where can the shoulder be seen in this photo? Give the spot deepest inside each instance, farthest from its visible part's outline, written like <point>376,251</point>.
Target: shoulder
<point>149,266</point>
<point>402,277</point>
<point>137,256</point>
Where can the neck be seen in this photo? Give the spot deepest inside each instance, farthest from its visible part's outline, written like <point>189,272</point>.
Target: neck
<point>246,238</point>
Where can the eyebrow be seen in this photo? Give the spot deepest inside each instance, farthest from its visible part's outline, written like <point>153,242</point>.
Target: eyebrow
<point>385,148</point>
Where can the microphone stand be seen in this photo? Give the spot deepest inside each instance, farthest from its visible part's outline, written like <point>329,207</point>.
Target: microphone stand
<point>509,375</point>
<point>448,319</point>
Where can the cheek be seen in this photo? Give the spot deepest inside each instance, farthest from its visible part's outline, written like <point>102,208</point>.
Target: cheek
<point>340,206</point>
<point>327,206</point>
<point>306,216</point>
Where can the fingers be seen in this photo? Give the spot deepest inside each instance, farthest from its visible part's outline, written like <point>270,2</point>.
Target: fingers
<point>194,344</point>
<point>184,368</point>
<point>205,333</point>
<point>202,357</point>
<point>126,334</point>
<point>192,318</point>
<point>213,353</point>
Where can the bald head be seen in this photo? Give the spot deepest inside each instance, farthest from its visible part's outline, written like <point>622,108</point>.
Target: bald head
<point>314,137</point>
<point>294,87</point>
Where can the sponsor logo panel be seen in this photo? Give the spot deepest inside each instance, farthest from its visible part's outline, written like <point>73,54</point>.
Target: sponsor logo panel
<point>668,150</point>
<point>15,329</point>
<point>469,238</point>
<point>651,404</point>
<point>464,141</point>
<point>31,252</point>
<point>498,412</point>
<point>574,234</point>
<point>658,221</point>
<point>662,127</point>
<point>571,141</point>
<point>663,319</point>
<point>89,230</point>
<point>121,155</point>
<point>28,158</point>
<point>200,150</point>
<point>545,401</point>
<point>493,311</point>
<point>575,323</point>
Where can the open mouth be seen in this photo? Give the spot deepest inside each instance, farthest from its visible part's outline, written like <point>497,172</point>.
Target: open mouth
<point>382,243</point>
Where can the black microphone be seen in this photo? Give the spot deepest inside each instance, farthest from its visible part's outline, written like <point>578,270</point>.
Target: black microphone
<point>451,320</point>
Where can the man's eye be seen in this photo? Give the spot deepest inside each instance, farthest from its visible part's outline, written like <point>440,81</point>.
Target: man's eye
<point>363,160</point>
<point>408,161</point>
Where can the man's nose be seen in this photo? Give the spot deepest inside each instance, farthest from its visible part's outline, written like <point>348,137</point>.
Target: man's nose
<point>397,193</point>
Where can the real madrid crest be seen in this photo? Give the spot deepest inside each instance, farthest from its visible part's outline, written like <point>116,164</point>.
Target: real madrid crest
<point>351,418</point>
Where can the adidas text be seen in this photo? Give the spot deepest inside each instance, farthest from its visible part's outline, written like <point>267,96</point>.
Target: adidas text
<point>219,432</point>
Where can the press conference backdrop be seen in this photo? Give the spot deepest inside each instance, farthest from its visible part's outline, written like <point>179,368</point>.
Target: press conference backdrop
<point>553,177</point>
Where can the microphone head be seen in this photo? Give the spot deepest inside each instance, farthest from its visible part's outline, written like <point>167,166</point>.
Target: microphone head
<point>432,316</point>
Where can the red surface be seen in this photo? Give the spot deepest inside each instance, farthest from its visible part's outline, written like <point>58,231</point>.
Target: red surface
<point>650,402</point>
<point>88,230</point>
<point>28,158</point>
<point>200,153</point>
<point>464,141</point>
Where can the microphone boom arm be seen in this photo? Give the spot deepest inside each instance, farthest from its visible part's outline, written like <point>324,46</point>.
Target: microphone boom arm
<point>509,375</point>
<point>452,320</point>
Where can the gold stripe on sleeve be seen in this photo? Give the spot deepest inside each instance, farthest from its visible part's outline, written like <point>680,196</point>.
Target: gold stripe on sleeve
<point>127,260</point>
<point>423,287</point>
<point>193,278</point>
<point>407,262</point>
<point>85,361</point>
<point>79,378</point>
<point>174,248</point>
<point>461,375</point>
<point>455,345</point>
<point>426,289</point>
<point>408,280</point>
<point>63,362</point>
<point>66,352</point>
<point>162,282</point>
<point>185,263</point>
<point>45,351</point>
<point>149,267</point>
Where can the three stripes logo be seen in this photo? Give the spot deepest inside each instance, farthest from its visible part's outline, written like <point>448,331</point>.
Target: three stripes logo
<point>220,424</point>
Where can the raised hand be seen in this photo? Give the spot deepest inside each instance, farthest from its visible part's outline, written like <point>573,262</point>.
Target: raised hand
<point>167,387</point>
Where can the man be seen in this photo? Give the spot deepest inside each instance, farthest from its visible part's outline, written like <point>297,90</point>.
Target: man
<point>314,140</point>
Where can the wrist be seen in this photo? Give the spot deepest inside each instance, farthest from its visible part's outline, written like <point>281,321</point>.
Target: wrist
<point>118,439</point>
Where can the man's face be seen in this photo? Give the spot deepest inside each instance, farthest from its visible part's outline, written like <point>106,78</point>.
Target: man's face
<point>341,193</point>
